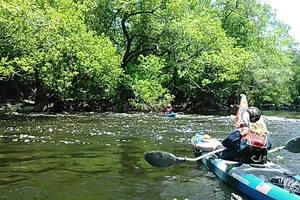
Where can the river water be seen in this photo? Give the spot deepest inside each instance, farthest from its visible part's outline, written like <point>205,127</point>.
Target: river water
<point>100,156</point>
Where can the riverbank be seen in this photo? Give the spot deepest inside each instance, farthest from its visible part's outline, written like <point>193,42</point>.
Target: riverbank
<point>28,107</point>
<point>282,114</point>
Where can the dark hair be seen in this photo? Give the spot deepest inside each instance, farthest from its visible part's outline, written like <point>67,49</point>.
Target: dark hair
<point>254,114</point>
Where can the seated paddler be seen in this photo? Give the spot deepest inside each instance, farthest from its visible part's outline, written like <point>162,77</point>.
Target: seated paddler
<point>169,109</point>
<point>249,142</point>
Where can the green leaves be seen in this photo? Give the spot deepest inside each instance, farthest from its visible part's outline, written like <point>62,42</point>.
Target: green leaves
<point>52,45</point>
<point>147,84</point>
<point>150,52</point>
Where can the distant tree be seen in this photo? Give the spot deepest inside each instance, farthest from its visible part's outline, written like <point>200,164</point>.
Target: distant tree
<point>145,54</point>
<point>187,35</point>
<point>47,44</point>
<point>267,78</point>
<point>296,80</point>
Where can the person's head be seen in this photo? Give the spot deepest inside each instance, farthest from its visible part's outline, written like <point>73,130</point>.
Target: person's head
<point>254,114</point>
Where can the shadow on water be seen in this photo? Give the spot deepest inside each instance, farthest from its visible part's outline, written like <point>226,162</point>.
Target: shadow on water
<point>100,156</point>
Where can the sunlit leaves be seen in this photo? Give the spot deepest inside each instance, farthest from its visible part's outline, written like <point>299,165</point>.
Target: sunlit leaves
<point>147,84</point>
<point>49,42</point>
<point>148,50</point>
<point>150,95</point>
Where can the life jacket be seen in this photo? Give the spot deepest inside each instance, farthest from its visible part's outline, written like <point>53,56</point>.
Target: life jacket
<point>253,147</point>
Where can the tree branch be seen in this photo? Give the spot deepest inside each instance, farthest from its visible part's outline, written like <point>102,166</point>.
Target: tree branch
<point>230,12</point>
<point>128,55</point>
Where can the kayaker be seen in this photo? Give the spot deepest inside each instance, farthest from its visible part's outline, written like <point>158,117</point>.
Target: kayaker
<point>249,142</point>
<point>169,109</point>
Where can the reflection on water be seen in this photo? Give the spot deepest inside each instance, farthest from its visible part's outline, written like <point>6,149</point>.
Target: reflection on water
<point>101,156</point>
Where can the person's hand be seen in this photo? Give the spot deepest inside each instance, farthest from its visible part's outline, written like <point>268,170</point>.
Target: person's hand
<point>243,97</point>
<point>244,131</point>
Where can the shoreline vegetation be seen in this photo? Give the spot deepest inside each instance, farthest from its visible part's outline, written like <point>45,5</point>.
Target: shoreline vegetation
<point>125,56</point>
<point>27,108</point>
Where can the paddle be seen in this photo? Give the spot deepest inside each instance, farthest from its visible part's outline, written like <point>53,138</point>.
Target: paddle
<point>162,159</point>
<point>292,145</point>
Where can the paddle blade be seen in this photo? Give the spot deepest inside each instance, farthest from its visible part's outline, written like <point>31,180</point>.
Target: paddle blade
<point>160,159</point>
<point>293,145</point>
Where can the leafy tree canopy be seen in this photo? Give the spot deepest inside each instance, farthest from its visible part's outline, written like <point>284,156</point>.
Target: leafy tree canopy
<point>148,53</point>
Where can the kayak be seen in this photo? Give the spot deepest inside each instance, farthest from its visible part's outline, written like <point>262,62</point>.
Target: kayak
<point>170,114</point>
<point>253,180</point>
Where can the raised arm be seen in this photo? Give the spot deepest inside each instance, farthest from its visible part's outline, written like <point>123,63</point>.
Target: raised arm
<point>242,117</point>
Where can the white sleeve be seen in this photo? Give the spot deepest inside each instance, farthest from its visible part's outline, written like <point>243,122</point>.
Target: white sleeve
<point>245,118</point>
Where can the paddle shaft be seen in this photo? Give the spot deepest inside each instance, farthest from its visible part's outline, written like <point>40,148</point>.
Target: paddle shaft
<point>217,151</point>
<point>293,145</point>
<point>165,159</point>
<point>200,157</point>
<point>276,149</point>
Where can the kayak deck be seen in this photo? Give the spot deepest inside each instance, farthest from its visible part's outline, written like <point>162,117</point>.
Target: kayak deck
<point>251,180</point>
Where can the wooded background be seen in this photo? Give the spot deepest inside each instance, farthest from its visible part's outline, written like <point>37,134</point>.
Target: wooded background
<point>141,55</point>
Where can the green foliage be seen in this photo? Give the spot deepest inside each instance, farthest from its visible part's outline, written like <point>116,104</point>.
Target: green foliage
<point>186,52</point>
<point>147,79</point>
<point>296,80</point>
<point>267,77</point>
<point>205,58</point>
<point>243,20</point>
<point>47,41</point>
